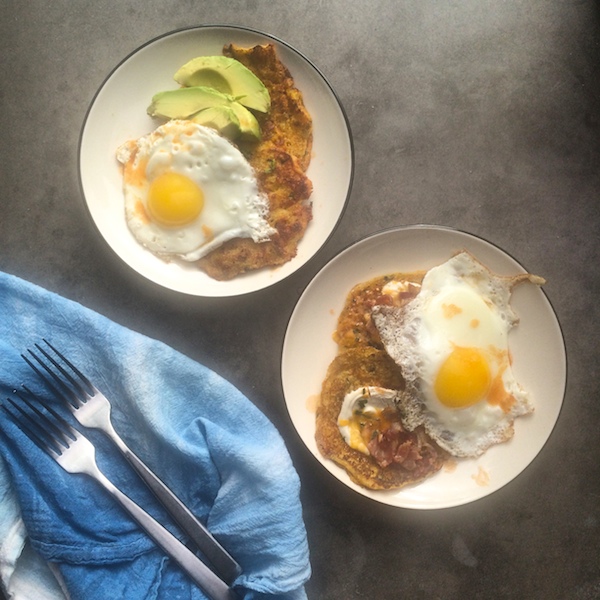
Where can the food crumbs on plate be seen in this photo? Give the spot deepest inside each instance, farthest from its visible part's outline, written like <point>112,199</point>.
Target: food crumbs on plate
<point>450,465</point>
<point>312,402</point>
<point>482,477</point>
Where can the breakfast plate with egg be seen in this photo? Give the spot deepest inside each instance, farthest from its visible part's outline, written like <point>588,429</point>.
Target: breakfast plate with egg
<point>172,193</point>
<point>424,367</point>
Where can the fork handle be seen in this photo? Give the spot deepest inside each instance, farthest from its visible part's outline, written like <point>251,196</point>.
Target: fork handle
<point>221,560</point>
<point>212,585</point>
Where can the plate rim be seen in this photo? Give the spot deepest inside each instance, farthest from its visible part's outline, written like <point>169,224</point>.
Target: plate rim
<point>377,496</point>
<point>225,27</point>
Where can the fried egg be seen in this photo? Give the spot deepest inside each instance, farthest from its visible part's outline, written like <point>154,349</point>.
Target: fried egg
<point>188,190</point>
<point>451,342</point>
<point>365,404</point>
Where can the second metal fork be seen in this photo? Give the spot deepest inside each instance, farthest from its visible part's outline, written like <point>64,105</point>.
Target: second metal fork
<point>76,454</point>
<point>92,409</point>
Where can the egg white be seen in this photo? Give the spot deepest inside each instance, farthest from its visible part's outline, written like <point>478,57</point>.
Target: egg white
<point>420,336</point>
<point>364,400</point>
<point>233,205</point>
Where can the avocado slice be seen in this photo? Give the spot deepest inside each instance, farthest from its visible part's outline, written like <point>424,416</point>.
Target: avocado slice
<point>228,76</point>
<point>249,127</point>
<point>221,118</point>
<point>232,121</point>
<point>183,102</point>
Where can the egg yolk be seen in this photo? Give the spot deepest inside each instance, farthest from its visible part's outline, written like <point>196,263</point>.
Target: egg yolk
<point>174,199</point>
<point>463,379</point>
<point>363,426</point>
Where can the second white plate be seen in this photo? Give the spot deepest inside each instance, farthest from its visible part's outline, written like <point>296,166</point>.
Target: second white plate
<point>537,347</point>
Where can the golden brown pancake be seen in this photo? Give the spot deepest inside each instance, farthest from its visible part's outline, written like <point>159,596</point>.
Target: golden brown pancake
<point>355,327</point>
<point>350,370</point>
<point>288,125</point>
<point>280,160</point>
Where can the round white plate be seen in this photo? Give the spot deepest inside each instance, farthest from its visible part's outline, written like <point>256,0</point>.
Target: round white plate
<point>537,347</point>
<point>118,113</point>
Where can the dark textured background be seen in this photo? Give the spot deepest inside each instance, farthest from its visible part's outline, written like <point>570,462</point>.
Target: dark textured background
<point>476,114</point>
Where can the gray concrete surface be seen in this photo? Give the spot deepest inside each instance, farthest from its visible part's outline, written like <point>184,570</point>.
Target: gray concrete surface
<point>478,115</point>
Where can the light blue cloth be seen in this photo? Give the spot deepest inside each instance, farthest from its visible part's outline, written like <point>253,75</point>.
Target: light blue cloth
<point>208,442</point>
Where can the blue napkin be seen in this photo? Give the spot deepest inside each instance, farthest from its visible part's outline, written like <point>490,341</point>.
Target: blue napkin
<point>208,442</point>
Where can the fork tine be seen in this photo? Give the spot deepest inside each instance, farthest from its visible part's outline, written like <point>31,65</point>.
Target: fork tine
<point>44,377</point>
<point>33,428</point>
<point>65,424</point>
<point>75,393</point>
<point>75,370</point>
<point>24,427</point>
<point>60,427</point>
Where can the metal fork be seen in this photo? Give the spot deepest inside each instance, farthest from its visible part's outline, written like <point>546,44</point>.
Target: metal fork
<point>92,409</point>
<point>76,454</point>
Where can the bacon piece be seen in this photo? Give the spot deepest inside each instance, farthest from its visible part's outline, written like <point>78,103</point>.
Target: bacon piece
<point>395,445</point>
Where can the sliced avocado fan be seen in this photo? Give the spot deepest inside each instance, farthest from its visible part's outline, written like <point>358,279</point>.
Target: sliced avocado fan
<point>228,76</point>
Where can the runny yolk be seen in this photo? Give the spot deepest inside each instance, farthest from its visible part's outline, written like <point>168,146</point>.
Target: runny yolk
<point>463,379</point>
<point>174,199</point>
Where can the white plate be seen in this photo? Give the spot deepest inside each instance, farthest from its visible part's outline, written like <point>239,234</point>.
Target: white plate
<point>118,113</point>
<point>537,346</point>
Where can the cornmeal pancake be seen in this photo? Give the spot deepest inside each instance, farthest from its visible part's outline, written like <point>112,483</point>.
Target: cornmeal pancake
<point>350,370</point>
<point>240,255</point>
<point>288,125</point>
<point>280,160</point>
<point>355,326</point>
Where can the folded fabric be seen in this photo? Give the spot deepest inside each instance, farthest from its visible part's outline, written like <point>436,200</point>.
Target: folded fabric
<point>197,432</point>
